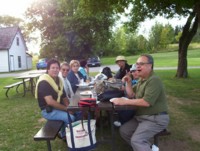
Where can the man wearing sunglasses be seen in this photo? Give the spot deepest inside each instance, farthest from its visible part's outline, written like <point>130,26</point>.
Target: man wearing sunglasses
<point>151,115</point>
<point>64,70</point>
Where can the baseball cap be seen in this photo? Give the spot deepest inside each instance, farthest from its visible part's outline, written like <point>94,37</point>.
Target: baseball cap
<point>133,68</point>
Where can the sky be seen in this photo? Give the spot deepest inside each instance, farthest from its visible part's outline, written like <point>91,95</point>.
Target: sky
<point>14,7</point>
<point>17,8</point>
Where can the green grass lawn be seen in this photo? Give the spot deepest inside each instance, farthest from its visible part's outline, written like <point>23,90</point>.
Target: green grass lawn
<point>20,118</point>
<point>164,59</point>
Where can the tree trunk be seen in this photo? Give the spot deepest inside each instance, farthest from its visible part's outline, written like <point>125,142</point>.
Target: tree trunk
<point>189,30</point>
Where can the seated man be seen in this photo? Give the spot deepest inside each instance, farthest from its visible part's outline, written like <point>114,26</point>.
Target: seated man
<point>124,67</point>
<point>126,115</point>
<point>151,106</point>
<point>51,96</point>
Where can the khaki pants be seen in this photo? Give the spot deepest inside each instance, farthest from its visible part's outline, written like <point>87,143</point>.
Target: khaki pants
<point>140,129</point>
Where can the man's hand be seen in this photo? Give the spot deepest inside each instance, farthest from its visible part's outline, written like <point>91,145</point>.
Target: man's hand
<point>126,78</point>
<point>119,101</point>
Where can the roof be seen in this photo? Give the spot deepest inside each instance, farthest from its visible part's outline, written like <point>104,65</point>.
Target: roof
<point>7,35</point>
<point>29,54</point>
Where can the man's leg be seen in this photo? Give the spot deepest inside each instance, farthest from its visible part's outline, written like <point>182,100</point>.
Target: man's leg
<point>148,126</point>
<point>125,115</point>
<point>58,115</point>
<point>127,130</point>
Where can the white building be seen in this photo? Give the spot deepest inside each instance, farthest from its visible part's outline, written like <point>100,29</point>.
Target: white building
<point>13,55</point>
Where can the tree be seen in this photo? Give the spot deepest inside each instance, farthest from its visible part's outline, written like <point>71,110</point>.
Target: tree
<point>143,9</point>
<point>155,37</point>
<point>167,36</point>
<point>6,21</point>
<point>72,27</point>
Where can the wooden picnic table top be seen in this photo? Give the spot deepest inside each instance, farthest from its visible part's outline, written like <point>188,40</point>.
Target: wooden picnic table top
<point>28,76</point>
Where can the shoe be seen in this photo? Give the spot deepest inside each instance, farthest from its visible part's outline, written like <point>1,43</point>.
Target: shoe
<point>117,123</point>
<point>61,137</point>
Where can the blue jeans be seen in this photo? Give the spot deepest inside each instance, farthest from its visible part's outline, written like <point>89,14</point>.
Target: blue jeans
<point>58,115</point>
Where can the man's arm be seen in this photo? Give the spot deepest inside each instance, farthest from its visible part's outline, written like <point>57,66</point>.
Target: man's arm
<point>135,102</point>
<point>51,102</point>
<point>129,90</point>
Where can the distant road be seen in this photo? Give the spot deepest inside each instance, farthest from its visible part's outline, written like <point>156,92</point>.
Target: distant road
<point>114,68</point>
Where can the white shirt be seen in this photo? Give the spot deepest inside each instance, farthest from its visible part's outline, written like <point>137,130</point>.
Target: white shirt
<point>68,88</point>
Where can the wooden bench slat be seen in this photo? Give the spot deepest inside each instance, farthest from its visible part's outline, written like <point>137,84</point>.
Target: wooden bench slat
<point>165,132</point>
<point>14,84</point>
<point>49,131</point>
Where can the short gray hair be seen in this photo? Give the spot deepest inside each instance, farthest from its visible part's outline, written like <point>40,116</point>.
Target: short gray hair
<point>64,64</point>
<point>150,59</point>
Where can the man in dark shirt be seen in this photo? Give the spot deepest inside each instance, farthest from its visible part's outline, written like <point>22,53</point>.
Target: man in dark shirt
<point>123,65</point>
<point>51,96</point>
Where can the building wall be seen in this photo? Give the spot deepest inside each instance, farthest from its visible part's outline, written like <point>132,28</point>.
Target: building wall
<point>29,62</point>
<point>16,51</point>
<point>4,61</point>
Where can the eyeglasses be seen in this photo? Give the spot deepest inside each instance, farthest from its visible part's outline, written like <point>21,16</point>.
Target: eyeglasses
<point>142,63</point>
<point>65,70</point>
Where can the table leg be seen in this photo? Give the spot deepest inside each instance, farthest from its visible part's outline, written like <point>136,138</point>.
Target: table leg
<point>24,85</point>
<point>101,126</point>
<point>32,87</point>
<point>112,129</point>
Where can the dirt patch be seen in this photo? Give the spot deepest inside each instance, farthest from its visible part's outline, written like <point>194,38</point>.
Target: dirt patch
<point>42,120</point>
<point>173,145</point>
<point>194,133</point>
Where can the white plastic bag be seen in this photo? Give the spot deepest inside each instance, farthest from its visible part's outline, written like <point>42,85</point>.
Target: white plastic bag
<point>82,137</point>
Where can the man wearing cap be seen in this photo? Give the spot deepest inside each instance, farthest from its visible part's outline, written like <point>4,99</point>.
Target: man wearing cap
<point>151,115</point>
<point>134,73</point>
<point>123,65</point>
<point>126,115</point>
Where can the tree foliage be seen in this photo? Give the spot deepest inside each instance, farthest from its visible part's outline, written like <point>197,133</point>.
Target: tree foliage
<point>160,36</point>
<point>80,26</point>
<point>6,21</point>
<point>84,26</point>
<point>143,9</point>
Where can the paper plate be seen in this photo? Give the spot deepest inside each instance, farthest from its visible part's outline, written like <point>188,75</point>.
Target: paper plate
<point>86,93</point>
<point>85,85</point>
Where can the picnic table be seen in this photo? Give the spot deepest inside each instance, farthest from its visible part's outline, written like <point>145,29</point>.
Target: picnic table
<point>46,134</point>
<point>111,109</point>
<point>32,81</point>
<point>101,106</point>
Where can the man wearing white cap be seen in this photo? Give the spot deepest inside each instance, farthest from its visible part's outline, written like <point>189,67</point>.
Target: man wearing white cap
<point>134,73</point>
<point>123,65</point>
<point>126,115</point>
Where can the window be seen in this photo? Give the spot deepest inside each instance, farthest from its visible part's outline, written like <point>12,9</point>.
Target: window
<point>17,41</point>
<point>19,62</point>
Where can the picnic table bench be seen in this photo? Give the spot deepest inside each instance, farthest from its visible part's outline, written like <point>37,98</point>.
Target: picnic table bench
<point>16,84</point>
<point>165,132</point>
<point>48,132</point>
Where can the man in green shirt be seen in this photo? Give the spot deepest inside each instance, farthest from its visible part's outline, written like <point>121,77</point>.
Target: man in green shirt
<point>151,106</point>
